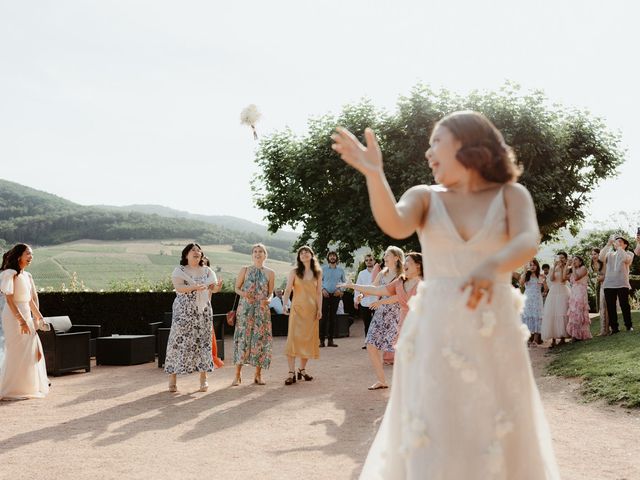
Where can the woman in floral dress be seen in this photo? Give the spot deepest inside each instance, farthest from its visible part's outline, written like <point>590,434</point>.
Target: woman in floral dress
<point>403,288</point>
<point>383,330</point>
<point>189,344</point>
<point>579,325</point>
<point>252,339</point>
<point>532,280</point>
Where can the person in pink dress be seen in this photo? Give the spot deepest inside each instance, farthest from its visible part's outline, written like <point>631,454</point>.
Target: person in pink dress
<point>579,324</point>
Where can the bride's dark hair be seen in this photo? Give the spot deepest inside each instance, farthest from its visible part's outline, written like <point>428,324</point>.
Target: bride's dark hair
<point>483,147</point>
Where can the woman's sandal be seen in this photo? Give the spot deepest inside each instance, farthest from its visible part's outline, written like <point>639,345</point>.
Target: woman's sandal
<point>378,386</point>
<point>173,388</point>
<point>258,380</point>
<point>236,381</point>
<point>204,387</point>
<point>302,373</point>
<point>291,378</point>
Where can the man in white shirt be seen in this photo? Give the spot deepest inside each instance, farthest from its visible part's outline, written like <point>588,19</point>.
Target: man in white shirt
<point>616,281</point>
<point>276,302</point>
<point>360,301</point>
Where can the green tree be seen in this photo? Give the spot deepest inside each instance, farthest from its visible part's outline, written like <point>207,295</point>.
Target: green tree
<point>565,154</point>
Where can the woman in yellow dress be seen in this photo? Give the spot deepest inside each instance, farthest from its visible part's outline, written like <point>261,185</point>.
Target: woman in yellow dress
<point>306,310</point>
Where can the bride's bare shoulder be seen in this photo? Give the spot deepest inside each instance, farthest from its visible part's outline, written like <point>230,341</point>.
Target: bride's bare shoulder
<point>414,204</point>
<point>422,191</point>
<point>516,194</point>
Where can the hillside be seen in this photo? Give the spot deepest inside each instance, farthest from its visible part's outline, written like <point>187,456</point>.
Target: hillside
<point>224,221</point>
<point>39,218</point>
<point>121,265</point>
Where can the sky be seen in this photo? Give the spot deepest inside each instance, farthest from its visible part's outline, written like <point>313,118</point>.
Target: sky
<point>123,102</point>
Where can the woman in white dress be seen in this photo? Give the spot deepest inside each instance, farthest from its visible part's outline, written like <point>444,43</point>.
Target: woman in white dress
<point>464,404</point>
<point>556,306</point>
<point>24,373</point>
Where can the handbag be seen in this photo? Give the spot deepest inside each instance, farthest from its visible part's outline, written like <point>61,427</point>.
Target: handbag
<point>231,314</point>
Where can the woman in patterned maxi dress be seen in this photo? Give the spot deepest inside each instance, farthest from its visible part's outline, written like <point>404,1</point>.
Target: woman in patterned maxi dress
<point>403,288</point>
<point>383,330</point>
<point>189,344</point>
<point>579,323</point>
<point>532,280</point>
<point>252,339</point>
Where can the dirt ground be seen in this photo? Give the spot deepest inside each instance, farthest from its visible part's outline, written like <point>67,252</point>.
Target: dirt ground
<point>120,422</point>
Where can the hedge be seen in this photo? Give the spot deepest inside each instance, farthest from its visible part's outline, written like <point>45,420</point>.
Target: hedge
<point>119,312</point>
<point>128,312</point>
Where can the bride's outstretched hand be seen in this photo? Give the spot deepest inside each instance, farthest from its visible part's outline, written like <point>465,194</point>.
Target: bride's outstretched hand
<point>366,159</point>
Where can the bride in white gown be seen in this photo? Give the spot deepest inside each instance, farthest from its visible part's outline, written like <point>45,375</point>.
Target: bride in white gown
<point>464,404</point>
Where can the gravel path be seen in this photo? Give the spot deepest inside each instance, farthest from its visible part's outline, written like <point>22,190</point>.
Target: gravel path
<point>120,422</point>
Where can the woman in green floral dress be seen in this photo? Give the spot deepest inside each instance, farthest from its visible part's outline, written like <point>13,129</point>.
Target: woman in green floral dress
<point>252,340</point>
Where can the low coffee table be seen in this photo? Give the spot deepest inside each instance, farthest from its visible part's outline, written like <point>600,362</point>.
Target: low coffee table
<point>125,349</point>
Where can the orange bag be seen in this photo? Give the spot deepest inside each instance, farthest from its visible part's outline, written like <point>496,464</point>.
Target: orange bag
<point>214,350</point>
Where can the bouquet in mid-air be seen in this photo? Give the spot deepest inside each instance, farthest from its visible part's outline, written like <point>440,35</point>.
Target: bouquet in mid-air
<point>250,116</point>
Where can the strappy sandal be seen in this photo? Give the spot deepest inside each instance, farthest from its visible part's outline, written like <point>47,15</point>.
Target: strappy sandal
<point>302,373</point>
<point>291,379</point>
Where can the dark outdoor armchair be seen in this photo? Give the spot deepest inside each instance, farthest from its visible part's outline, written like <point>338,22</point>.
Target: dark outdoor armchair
<point>65,349</point>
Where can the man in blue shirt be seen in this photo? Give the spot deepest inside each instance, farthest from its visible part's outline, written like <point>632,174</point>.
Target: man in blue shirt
<point>332,274</point>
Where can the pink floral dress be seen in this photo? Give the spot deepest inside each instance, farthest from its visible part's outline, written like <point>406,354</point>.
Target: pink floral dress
<point>579,322</point>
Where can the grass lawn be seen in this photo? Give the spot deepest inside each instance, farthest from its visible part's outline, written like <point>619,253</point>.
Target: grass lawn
<point>609,366</point>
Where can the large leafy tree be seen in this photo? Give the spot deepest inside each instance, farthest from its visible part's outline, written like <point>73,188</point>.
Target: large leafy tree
<point>565,154</point>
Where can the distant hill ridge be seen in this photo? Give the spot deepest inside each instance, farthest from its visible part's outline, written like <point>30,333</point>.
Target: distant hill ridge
<point>225,221</point>
<point>40,218</point>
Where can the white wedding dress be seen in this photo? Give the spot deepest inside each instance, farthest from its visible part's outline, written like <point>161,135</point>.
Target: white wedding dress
<point>464,404</point>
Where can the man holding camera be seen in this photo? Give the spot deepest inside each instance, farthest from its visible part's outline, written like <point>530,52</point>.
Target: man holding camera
<point>616,280</point>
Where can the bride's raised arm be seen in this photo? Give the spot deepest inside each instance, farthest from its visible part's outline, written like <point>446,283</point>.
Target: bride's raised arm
<point>398,220</point>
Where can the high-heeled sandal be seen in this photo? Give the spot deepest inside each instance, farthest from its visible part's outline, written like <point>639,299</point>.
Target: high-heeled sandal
<point>302,373</point>
<point>204,387</point>
<point>173,388</point>
<point>258,380</point>
<point>291,379</point>
<point>236,381</point>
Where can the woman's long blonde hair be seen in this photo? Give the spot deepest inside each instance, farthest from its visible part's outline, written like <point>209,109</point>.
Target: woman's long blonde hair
<point>399,267</point>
